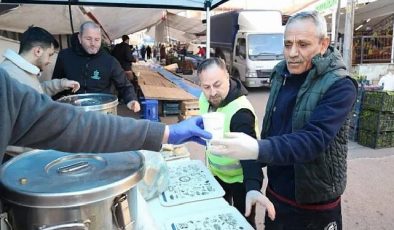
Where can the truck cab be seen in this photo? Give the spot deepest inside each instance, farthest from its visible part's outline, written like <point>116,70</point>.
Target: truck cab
<point>254,57</point>
<point>250,42</point>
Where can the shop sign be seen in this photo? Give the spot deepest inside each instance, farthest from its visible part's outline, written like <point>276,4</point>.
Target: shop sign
<point>326,5</point>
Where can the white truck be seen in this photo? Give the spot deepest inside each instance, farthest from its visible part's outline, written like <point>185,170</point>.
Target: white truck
<point>250,42</point>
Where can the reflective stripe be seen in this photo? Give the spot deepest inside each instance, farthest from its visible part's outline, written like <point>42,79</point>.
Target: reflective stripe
<point>235,166</point>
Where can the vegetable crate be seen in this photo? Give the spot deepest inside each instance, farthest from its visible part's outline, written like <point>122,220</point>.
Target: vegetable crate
<point>378,100</point>
<point>149,109</point>
<point>170,108</point>
<point>376,121</point>
<point>376,139</point>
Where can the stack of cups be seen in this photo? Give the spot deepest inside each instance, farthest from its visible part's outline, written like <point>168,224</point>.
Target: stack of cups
<point>214,123</point>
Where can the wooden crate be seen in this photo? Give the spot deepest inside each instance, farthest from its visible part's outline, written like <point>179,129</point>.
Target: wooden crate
<point>189,109</point>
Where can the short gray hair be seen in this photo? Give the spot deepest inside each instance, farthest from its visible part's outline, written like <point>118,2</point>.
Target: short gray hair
<point>315,17</point>
<point>88,25</point>
<point>214,61</point>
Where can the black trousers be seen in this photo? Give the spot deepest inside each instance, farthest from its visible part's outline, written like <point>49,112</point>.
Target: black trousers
<point>235,196</point>
<point>292,218</point>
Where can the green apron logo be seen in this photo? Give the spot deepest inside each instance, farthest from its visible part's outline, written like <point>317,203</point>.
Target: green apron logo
<point>96,75</point>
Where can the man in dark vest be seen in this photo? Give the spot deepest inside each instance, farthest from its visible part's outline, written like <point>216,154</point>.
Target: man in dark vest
<point>305,129</point>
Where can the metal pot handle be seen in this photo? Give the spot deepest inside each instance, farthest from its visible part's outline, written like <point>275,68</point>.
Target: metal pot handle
<point>73,167</point>
<point>120,212</point>
<point>4,223</point>
<point>76,226</point>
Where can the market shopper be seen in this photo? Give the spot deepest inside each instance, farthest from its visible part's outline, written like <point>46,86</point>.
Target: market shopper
<point>32,119</point>
<point>122,52</point>
<point>201,51</point>
<point>143,52</point>
<point>94,68</point>
<point>305,129</point>
<point>148,52</point>
<point>35,51</point>
<point>387,81</point>
<point>220,93</point>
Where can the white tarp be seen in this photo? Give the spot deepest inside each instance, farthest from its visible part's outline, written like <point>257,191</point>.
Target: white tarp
<point>115,21</point>
<point>188,25</point>
<point>6,43</point>
<point>53,18</point>
<point>176,27</point>
<point>161,33</point>
<point>118,21</point>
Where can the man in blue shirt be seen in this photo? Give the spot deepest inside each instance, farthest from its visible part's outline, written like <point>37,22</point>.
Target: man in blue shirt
<point>304,134</point>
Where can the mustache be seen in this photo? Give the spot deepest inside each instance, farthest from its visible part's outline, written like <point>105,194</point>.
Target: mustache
<point>294,61</point>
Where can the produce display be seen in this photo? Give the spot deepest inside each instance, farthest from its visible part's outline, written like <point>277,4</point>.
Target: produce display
<point>376,140</point>
<point>378,100</point>
<point>376,120</point>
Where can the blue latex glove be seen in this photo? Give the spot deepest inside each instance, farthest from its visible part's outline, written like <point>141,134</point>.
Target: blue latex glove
<point>191,129</point>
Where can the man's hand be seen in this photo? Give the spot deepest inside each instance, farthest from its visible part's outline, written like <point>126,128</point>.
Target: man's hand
<point>253,197</point>
<point>134,106</point>
<point>236,145</point>
<point>73,85</point>
<point>191,129</point>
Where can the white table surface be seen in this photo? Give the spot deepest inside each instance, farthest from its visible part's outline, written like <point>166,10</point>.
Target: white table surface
<point>152,215</point>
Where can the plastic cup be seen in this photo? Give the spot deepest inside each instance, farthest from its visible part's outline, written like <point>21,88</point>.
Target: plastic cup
<point>214,123</point>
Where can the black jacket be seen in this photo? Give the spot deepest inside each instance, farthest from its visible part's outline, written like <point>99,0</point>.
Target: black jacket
<point>243,121</point>
<point>122,53</point>
<point>95,73</point>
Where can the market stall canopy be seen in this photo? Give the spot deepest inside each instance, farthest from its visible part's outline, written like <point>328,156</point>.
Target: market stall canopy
<point>161,34</point>
<point>124,21</point>
<point>176,27</point>
<point>162,4</point>
<point>55,19</point>
<point>118,21</point>
<point>189,25</point>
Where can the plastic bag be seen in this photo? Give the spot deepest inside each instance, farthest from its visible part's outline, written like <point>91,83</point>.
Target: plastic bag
<point>155,179</point>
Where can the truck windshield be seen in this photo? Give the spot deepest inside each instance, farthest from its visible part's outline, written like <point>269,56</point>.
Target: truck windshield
<point>265,46</point>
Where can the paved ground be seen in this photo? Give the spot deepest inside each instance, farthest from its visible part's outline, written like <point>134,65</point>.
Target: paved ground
<point>369,196</point>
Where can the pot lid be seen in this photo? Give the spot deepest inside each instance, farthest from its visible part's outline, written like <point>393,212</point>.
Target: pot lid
<point>90,100</point>
<point>48,178</point>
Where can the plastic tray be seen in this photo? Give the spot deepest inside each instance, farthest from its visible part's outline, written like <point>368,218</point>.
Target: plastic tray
<point>189,181</point>
<point>219,219</point>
